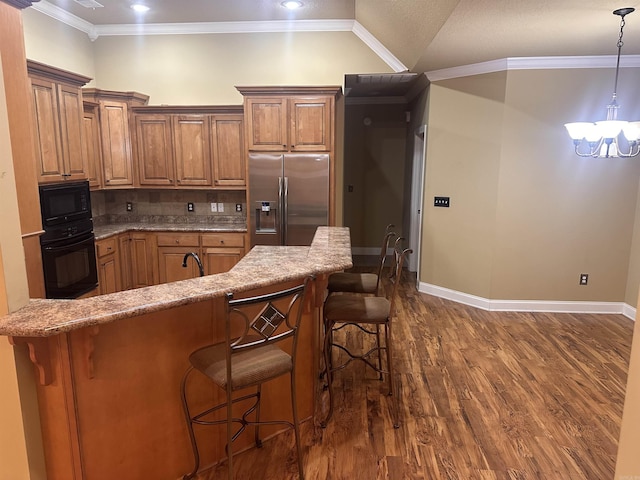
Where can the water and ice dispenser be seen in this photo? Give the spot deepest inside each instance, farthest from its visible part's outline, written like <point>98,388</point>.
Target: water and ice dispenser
<point>266,217</point>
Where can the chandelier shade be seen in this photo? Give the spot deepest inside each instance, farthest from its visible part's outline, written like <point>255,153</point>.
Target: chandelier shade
<point>603,138</point>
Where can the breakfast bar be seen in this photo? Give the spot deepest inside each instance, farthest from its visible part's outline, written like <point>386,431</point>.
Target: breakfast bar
<point>109,367</point>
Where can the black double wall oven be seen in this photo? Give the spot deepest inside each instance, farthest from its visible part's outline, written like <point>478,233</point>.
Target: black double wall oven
<point>68,244</point>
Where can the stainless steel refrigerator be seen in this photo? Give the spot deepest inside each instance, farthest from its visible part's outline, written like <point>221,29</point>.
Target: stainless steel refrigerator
<point>288,197</point>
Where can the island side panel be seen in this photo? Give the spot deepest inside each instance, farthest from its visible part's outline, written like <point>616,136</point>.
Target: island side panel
<point>113,407</point>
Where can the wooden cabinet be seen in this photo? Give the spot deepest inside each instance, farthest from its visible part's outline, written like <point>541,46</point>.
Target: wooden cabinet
<point>192,150</point>
<point>109,276</point>
<point>296,123</point>
<point>190,147</point>
<point>293,120</point>
<point>115,134</point>
<point>138,259</point>
<point>172,247</point>
<point>58,123</point>
<point>92,144</point>
<point>229,162</point>
<point>154,153</point>
<point>221,251</point>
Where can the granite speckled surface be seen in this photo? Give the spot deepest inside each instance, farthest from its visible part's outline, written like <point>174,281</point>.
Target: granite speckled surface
<point>329,252</point>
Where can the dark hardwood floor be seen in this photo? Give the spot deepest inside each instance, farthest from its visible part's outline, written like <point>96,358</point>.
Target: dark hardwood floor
<point>484,395</point>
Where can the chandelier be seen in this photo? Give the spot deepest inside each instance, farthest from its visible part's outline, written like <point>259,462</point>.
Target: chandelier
<point>602,139</point>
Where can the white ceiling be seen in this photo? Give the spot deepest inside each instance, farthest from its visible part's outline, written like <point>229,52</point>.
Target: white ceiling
<point>424,35</point>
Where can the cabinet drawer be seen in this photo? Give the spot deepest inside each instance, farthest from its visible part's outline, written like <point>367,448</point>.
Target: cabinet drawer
<point>173,239</point>
<point>223,240</point>
<point>106,247</point>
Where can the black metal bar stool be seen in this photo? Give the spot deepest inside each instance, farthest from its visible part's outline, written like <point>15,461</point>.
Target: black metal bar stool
<point>248,360</point>
<point>363,313</point>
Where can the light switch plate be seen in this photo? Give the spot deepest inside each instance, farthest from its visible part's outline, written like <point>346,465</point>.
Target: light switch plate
<point>214,207</point>
<point>221,207</point>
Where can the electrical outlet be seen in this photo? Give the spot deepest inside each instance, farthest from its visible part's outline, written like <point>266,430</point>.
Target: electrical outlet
<point>584,278</point>
<point>214,207</point>
<point>129,206</point>
<point>238,207</point>
<point>220,207</point>
<point>190,207</point>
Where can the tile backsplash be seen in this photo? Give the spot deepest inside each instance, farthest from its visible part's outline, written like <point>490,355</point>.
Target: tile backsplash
<point>168,205</point>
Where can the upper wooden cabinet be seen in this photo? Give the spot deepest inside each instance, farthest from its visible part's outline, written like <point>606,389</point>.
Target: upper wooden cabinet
<point>115,133</point>
<point>192,150</point>
<point>190,147</point>
<point>92,144</point>
<point>290,119</point>
<point>58,121</point>
<point>154,149</point>
<point>227,138</point>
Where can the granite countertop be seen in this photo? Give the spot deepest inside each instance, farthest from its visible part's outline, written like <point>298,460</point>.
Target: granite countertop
<point>329,252</point>
<point>103,231</point>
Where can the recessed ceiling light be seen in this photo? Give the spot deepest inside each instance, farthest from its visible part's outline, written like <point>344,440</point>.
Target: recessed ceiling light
<point>292,4</point>
<point>140,8</point>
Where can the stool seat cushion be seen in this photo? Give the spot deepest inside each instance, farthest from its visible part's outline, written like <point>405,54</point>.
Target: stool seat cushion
<point>353,282</point>
<point>248,368</point>
<point>345,308</point>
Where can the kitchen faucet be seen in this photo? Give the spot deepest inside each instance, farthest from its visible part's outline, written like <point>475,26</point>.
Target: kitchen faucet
<point>196,258</point>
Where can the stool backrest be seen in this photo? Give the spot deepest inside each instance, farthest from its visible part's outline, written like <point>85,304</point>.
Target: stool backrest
<point>388,235</point>
<point>395,275</point>
<point>264,319</point>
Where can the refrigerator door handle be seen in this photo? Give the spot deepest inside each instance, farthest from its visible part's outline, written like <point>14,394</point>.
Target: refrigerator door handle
<point>280,219</point>
<point>285,210</point>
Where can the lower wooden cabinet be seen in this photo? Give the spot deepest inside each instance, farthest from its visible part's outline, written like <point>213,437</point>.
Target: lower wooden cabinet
<point>140,259</point>
<point>108,262</point>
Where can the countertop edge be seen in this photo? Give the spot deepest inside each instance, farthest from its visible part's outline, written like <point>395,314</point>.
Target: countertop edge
<point>329,252</point>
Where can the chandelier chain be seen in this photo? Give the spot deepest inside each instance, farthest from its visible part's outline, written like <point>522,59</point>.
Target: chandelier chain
<point>620,44</point>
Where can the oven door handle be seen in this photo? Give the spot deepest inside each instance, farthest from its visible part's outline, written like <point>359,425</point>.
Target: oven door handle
<point>53,248</point>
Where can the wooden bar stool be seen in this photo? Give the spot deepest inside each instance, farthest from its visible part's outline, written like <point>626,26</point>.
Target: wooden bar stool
<point>248,357</point>
<point>364,313</point>
<point>362,282</point>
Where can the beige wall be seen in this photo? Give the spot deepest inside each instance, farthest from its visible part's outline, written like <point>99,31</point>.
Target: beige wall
<point>204,69</point>
<point>528,215</point>
<point>55,43</point>
<point>463,162</point>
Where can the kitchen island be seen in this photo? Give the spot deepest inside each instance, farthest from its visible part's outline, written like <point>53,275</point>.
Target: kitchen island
<point>109,367</point>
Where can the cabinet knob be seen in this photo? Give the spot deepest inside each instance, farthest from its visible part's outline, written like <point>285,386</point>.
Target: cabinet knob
<point>177,241</point>
<point>221,242</point>
<point>284,146</point>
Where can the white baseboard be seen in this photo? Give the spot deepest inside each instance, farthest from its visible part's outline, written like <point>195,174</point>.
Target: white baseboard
<point>528,305</point>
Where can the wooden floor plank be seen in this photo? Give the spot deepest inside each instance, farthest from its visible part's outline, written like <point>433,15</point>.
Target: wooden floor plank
<point>483,395</point>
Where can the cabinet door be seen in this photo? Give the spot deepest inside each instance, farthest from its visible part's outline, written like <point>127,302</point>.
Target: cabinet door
<point>109,274</point>
<point>227,139</point>
<point>266,124</point>
<point>72,132</point>
<point>47,128</point>
<point>170,267</point>
<point>92,148</point>
<point>154,153</point>
<point>310,124</point>
<point>116,144</point>
<point>192,150</point>
<point>124,250</point>
<point>143,260</point>
<point>221,260</point>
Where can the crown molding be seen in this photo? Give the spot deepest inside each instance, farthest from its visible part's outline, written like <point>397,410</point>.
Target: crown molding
<point>374,44</point>
<point>533,63</point>
<point>65,17</point>
<point>198,28</point>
